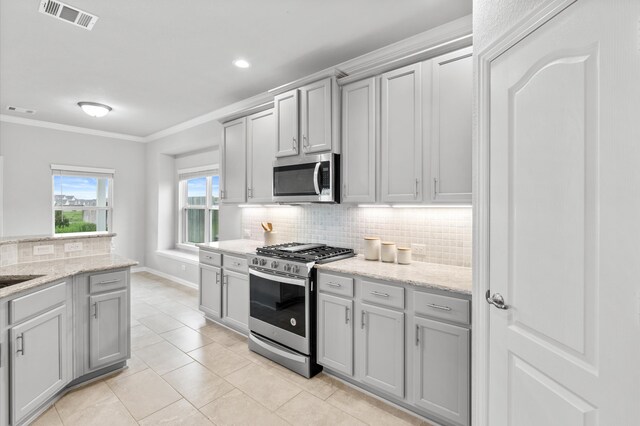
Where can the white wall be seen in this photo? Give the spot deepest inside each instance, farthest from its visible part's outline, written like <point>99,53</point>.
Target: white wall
<point>28,153</point>
<point>193,147</point>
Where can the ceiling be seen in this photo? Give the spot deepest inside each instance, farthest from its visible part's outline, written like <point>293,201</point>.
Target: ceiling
<point>159,63</point>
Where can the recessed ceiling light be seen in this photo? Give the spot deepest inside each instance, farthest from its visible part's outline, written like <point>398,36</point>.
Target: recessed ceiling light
<point>94,109</point>
<point>241,63</point>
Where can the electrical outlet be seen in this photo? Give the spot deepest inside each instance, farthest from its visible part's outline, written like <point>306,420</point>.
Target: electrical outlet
<point>69,247</point>
<point>42,250</point>
<point>419,249</point>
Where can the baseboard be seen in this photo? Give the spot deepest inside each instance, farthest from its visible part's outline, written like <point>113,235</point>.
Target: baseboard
<point>167,276</point>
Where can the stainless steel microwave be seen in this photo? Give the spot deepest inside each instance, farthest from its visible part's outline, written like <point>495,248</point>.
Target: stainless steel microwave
<point>311,179</point>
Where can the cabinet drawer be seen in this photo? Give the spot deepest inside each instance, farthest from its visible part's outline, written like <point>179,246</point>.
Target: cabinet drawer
<point>383,294</point>
<point>106,282</point>
<point>235,263</point>
<point>210,258</point>
<point>448,308</point>
<point>335,284</point>
<point>35,303</point>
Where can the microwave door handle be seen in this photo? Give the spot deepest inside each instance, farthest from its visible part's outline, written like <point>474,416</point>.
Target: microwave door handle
<point>316,172</point>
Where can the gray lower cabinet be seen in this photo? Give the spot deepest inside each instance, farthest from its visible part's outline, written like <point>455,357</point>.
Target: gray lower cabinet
<point>441,369</point>
<point>39,358</point>
<point>380,349</point>
<point>335,333</point>
<point>108,328</point>
<point>236,299</point>
<point>211,290</point>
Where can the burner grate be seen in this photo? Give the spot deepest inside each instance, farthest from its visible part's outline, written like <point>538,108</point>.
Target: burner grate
<point>319,253</point>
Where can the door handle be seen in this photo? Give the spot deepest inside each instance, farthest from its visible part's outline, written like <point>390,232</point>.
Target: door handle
<point>496,300</point>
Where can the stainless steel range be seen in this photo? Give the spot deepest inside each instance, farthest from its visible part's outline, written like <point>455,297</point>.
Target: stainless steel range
<point>282,302</point>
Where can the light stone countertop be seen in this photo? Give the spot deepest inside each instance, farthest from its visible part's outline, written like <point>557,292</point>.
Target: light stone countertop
<point>36,238</point>
<point>454,279</point>
<point>58,269</point>
<point>241,247</point>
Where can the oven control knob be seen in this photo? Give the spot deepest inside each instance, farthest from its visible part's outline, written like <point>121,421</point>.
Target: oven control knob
<point>287,267</point>
<point>274,264</point>
<point>263,262</point>
<point>295,269</point>
<point>254,261</point>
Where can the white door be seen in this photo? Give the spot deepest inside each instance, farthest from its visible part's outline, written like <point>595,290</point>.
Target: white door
<point>233,180</point>
<point>315,116</point>
<point>108,325</point>
<point>260,155</point>
<point>564,221</point>
<point>285,108</point>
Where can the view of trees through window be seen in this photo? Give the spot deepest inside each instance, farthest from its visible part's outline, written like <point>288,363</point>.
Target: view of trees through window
<point>81,204</point>
<point>201,209</point>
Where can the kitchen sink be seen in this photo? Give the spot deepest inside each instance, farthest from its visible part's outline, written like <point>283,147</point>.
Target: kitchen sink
<point>9,280</point>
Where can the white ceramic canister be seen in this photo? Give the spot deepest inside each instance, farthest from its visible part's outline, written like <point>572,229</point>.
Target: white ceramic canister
<point>404,255</point>
<point>270,238</point>
<point>388,252</point>
<point>372,248</point>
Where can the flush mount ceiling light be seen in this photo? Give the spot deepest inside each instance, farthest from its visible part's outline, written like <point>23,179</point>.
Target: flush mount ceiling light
<point>94,109</point>
<point>241,63</point>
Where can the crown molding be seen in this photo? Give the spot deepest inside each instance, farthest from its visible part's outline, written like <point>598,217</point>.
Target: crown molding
<point>66,128</point>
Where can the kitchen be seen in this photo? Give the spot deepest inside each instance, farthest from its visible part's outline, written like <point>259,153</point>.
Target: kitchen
<point>375,139</point>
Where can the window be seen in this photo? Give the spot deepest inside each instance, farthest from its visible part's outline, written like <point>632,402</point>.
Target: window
<point>82,199</point>
<point>199,198</point>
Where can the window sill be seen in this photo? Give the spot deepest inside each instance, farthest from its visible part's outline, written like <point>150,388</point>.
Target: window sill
<point>180,255</point>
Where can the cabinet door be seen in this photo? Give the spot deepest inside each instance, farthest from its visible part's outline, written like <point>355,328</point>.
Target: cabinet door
<point>260,155</point>
<point>236,299</point>
<point>441,370</point>
<point>359,142</point>
<point>315,116</point>
<point>108,329</point>
<point>211,290</point>
<point>285,108</point>
<point>233,173</point>
<point>381,349</point>
<point>335,333</point>
<point>39,355</point>
<point>401,135</point>
<point>452,91</point>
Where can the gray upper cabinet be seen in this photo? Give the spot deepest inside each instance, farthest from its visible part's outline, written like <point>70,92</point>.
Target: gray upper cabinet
<point>211,290</point>
<point>315,116</point>
<point>260,155</point>
<point>441,371</point>
<point>39,361</point>
<point>359,142</point>
<point>335,333</point>
<point>401,135</point>
<point>451,101</point>
<point>285,107</point>
<point>233,174</point>
<point>380,349</point>
<point>108,328</point>
<point>236,300</point>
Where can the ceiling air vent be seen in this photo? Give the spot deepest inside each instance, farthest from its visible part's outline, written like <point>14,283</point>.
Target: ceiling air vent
<point>20,109</point>
<point>68,13</point>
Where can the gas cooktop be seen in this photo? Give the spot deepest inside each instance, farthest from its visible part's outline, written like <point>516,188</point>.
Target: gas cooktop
<point>318,253</point>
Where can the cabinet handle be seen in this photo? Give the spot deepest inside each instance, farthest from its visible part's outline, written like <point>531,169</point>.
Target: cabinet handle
<point>362,319</point>
<point>334,284</point>
<point>249,193</point>
<point>294,145</point>
<point>441,307</point>
<point>417,335</point>
<point>376,293</point>
<point>416,193</point>
<point>225,282</point>
<point>95,310</point>
<point>346,315</point>
<point>21,350</point>
<point>435,186</point>
<point>217,277</point>
<point>109,281</point>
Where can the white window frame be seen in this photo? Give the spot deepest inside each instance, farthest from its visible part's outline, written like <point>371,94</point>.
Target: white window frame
<point>82,171</point>
<point>192,173</point>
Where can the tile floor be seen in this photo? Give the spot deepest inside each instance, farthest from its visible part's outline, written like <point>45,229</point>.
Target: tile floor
<point>185,370</point>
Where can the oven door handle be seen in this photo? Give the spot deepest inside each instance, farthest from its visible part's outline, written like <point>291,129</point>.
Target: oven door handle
<point>293,357</point>
<point>316,172</point>
<point>273,277</point>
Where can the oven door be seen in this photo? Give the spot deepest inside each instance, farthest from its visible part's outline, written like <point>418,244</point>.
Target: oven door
<point>279,309</point>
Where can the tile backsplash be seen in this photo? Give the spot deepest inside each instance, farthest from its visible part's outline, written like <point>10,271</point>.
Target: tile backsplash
<point>23,251</point>
<point>445,232</point>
